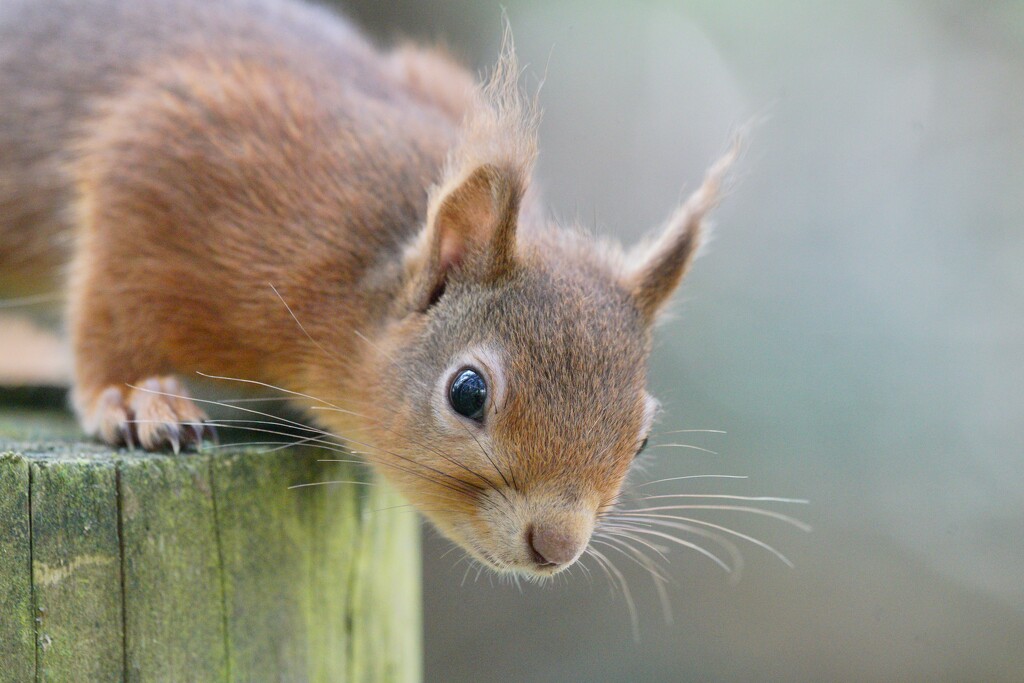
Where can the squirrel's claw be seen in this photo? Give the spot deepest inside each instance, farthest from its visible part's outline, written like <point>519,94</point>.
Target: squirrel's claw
<point>210,434</point>
<point>156,414</point>
<point>195,434</point>
<point>127,432</point>
<point>172,432</point>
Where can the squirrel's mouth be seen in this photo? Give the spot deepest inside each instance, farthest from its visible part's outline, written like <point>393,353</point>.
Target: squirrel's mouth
<point>528,569</point>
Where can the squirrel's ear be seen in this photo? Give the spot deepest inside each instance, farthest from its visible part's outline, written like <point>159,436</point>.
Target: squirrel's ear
<point>471,229</point>
<point>473,222</point>
<point>655,269</point>
<point>473,213</point>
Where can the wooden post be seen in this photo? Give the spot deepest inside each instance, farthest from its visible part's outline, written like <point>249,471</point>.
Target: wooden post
<point>118,565</point>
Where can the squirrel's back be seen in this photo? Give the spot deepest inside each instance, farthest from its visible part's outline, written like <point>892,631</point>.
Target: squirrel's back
<point>64,64</point>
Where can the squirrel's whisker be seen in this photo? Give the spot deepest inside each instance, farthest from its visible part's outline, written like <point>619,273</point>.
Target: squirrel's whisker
<point>616,541</point>
<point>375,345</point>
<point>803,526</point>
<point>278,418</point>
<point>729,547</point>
<point>650,566</point>
<point>691,476</point>
<point>266,385</point>
<point>690,431</point>
<point>240,444</point>
<point>767,499</point>
<point>660,585</point>
<point>634,617</point>
<point>305,441</point>
<point>638,527</point>
<point>660,551</point>
<point>301,327</point>
<point>668,521</point>
<point>334,481</point>
<point>256,399</point>
<point>465,574</point>
<point>683,445</point>
<point>611,580</point>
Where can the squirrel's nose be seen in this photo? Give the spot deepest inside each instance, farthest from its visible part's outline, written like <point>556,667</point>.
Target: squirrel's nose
<point>551,546</point>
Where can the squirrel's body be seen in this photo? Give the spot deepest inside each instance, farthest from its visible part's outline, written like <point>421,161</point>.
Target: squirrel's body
<point>249,188</point>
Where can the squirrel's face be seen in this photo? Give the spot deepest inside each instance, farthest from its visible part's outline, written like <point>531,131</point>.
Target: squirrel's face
<point>507,397</point>
<point>510,411</point>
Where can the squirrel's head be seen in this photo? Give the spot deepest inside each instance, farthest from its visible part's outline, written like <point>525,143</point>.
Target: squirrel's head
<point>509,397</point>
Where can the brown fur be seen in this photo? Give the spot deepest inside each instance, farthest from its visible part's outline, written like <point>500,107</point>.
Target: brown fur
<point>265,166</point>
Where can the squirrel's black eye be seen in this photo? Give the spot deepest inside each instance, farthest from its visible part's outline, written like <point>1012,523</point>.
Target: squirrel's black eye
<point>468,394</point>
<point>643,445</point>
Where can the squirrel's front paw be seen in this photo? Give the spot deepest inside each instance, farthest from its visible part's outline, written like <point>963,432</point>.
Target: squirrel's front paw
<point>155,413</point>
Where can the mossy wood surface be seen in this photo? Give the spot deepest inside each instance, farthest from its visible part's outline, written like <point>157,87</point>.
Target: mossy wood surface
<point>118,565</point>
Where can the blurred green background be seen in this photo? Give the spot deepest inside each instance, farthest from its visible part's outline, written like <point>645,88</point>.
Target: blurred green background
<point>857,327</point>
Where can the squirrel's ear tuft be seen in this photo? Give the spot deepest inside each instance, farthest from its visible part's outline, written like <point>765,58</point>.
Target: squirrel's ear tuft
<point>656,268</point>
<point>473,212</point>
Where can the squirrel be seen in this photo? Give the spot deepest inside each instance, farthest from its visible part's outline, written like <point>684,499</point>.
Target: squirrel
<point>251,188</point>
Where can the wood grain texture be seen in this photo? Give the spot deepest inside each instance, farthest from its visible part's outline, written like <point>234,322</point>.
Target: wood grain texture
<point>76,570</point>
<point>205,567</point>
<point>174,619</point>
<point>17,634</point>
<point>386,596</point>
<point>268,546</point>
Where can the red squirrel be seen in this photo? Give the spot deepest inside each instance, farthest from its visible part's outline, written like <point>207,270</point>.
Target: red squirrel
<point>250,188</point>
